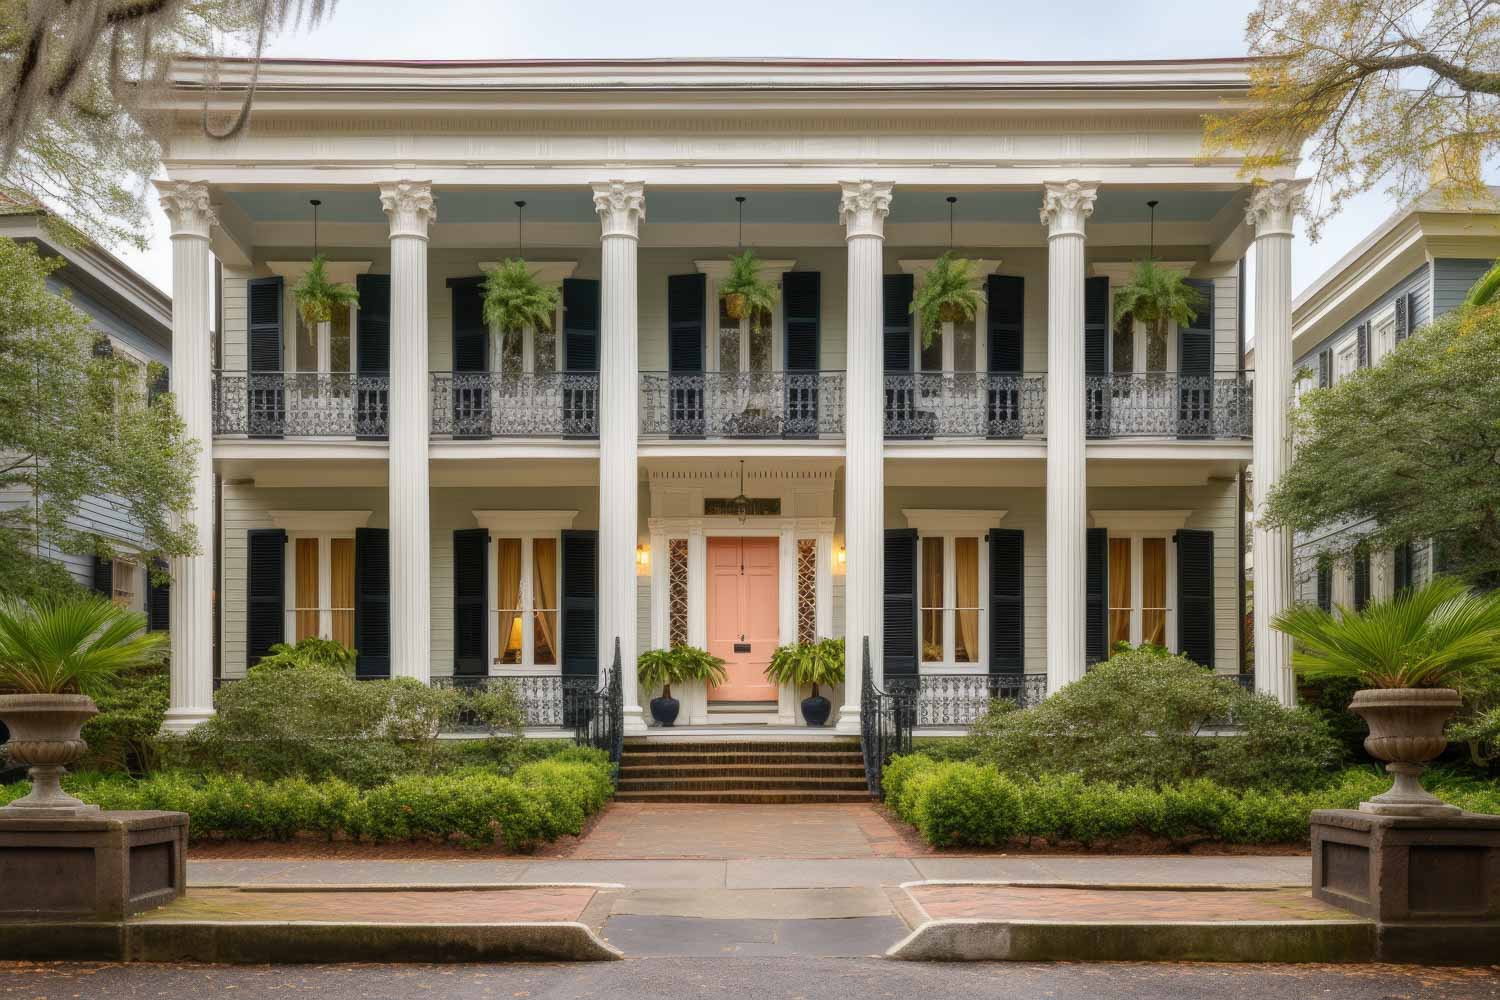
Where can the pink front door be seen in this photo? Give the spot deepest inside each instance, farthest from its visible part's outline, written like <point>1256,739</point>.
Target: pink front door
<point>742,615</point>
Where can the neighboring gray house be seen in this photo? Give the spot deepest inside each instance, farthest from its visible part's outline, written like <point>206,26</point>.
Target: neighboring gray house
<point>133,319</point>
<point>1418,264</point>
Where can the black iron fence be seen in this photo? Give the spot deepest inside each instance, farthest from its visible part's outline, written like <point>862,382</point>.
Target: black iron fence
<point>794,404</point>
<point>498,404</point>
<point>965,404</point>
<point>301,404</point>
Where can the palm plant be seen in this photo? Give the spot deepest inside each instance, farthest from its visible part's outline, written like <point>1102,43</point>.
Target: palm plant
<point>1156,295</point>
<point>71,646</point>
<point>744,291</point>
<point>317,297</point>
<point>1423,638</point>
<point>678,665</point>
<point>1485,288</point>
<point>808,663</point>
<point>515,300</point>
<point>949,294</point>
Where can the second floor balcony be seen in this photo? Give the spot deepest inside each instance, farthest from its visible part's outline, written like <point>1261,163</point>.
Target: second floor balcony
<point>790,404</point>
<point>301,405</point>
<point>479,405</point>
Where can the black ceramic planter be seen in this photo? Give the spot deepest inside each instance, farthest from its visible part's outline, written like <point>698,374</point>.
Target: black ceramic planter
<point>664,710</point>
<point>815,710</point>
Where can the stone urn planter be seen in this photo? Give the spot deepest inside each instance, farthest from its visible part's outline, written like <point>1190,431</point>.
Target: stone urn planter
<point>1406,731</point>
<point>46,736</point>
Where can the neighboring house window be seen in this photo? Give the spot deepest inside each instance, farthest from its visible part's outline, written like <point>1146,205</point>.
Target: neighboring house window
<point>1345,361</point>
<point>320,581</point>
<point>1140,589</point>
<point>123,589</point>
<point>526,600</point>
<point>952,601</point>
<point>1383,336</point>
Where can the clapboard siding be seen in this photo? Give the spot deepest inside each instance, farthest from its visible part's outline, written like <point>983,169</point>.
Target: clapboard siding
<point>1451,280</point>
<point>1416,283</point>
<point>1226,307</point>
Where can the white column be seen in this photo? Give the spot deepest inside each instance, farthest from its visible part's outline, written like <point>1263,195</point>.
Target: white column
<point>1065,206</point>
<point>863,209</point>
<point>1270,211</point>
<point>621,206</point>
<point>192,627</point>
<point>409,206</point>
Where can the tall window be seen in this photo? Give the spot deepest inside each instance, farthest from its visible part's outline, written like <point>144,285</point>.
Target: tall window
<point>527,351</point>
<point>526,600</point>
<point>950,607</point>
<point>747,344</point>
<point>1138,590</point>
<point>123,586</point>
<point>1136,347</point>
<point>329,347</point>
<point>321,572</point>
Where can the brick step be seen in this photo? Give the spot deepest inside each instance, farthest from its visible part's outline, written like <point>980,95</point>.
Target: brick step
<point>760,759</point>
<point>740,746</point>
<point>749,797</point>
<point>850,784</point>
<point>635,769</point>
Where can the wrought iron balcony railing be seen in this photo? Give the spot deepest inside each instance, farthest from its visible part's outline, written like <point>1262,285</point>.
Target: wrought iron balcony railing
<point>1164,404</point>
<point>965,404</point>
<point>794,404</point>
<point>497,404</point>
<point>301,404</point>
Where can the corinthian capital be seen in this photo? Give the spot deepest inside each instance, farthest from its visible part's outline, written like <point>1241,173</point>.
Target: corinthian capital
<point>1273,206</point>
<point>410,206</point>
<point>187,207</point>
<point>864,206</point>
<point>1066,204</point>
<point>621,206</point>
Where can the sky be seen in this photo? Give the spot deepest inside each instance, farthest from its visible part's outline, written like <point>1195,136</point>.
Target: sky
<point>978,29</point>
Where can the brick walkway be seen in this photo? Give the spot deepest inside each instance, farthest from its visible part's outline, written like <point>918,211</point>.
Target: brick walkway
<point>995,902</point>
<point>382,906</point>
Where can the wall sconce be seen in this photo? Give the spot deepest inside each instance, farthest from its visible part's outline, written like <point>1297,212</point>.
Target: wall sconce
<point>643,558</point>
<point>840,559</point>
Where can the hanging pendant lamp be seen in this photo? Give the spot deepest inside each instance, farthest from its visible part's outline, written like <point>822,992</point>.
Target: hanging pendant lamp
<point>1151,246</point>
<point>520,230</point>
<point>741,502</point>
<point>735,305</point>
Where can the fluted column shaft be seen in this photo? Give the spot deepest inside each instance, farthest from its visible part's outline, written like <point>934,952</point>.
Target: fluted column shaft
<point>621,206</point>
<point>410,207</point>
<point>863,209</point>
<point>1064,209</point>
<point>191,610</point>
<point>1271,211</point>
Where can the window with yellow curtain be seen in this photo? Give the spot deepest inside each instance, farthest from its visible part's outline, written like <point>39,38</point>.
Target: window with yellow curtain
<point>508,598</point>
<point>341,590</point>
<point>323,588</point>
<point>966,600</point>
<point>1121,590</point>
<point>309,589</point>
<point>544,600</point>
<point>932,600</point>
<point>1154,590</point>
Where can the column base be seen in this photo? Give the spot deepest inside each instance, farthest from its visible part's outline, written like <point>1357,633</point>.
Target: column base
<point>848,723</point>
<point>635,721</point>
<point>181,721</point>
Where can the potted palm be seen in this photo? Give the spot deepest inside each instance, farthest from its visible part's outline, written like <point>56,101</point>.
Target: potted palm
<point>54,655</point>
<point>515,300</point>
<point>1158,295</point>
<point>744,292</point>
<point>1405,652</point>
<point>317,297</point>
<point>949,294</point>
<point>661,668</point>
<point>809,664</point>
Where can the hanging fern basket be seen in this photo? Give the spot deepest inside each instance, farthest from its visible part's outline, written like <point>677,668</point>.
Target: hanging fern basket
<point>735,306</point>
<point>950,312</point>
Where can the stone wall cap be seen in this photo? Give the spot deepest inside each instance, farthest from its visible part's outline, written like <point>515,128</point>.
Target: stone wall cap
<point>1353,819</point>
<point>141,819</point>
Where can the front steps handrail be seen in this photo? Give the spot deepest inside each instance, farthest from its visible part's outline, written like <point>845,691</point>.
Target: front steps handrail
<point>885,721</point>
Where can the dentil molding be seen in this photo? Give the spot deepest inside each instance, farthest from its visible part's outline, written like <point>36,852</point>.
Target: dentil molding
<point>1066,205</point>
<point>1273,206</point>
<point>410,206</point>
<point>187,207</point>
<point>621,206</point>
<point>863,207</point>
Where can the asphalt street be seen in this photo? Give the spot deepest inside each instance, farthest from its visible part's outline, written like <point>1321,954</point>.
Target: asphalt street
<point>762,978</point>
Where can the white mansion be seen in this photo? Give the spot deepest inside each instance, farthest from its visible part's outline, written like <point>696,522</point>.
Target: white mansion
<point>999,503</point>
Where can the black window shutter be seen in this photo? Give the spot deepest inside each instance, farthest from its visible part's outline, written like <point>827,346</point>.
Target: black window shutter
<point>104,576</point>
<point>1006,302</point>
<point>1325,585</point>
<point>1402,559</point>
<point>1361,582</point>
<point>1195,595</point>
<point>265,592</point>
<point>267,398</point>
<point>373,404</point>
<point>158,604</point>
<point>1096,354</point>
<point>1403,317</point>
<point>580,299</point>
<point>471,359</point>
<point>802,305</point>
<point>686,302</point>
<point>1362,345</point>
<point>900,636</point>
<point>372,602</point>
<point>471,618</point>
<point>1195,358</point>
<point>579,627</point>
<point>1325,368</point>
<point>896,294</point>
<point>1411,313</point>
<point>1007,601</point>
<point>161,383</point>
<point>1096,596</point>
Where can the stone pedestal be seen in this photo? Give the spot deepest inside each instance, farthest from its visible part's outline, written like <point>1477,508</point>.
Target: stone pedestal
<point>1431,884</point>
<point>106,866</point>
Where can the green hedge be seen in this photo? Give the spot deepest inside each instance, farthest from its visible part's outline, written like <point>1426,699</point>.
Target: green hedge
<point>540,801</point>
<point>959,803</point>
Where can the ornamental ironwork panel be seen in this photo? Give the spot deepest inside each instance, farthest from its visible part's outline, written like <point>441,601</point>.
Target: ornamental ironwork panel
<point>501,404</point>
<point>742,404</point>
<point>677,592</point>
<point>960,699</point>
<point>301,404</point>
<point>807,589</point>
<point>1165,404</point>
<point>965,404</point>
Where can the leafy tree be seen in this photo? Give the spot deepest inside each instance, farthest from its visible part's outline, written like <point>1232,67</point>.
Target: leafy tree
<point>74,425</point>
<point>1406,450</point>
<point>1371,92</point>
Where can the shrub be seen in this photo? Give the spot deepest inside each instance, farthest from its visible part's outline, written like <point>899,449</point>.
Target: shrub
<point>125,735</point>
<point>968,804</point>
<point>1140,718</point>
